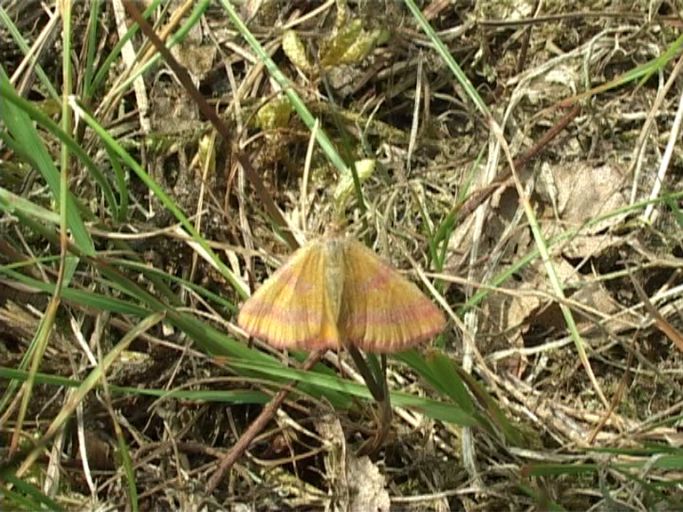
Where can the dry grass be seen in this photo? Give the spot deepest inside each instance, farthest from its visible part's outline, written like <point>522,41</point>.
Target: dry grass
<point>562,280</point>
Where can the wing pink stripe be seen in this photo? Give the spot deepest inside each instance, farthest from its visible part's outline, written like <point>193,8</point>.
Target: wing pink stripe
<point>417,314</point>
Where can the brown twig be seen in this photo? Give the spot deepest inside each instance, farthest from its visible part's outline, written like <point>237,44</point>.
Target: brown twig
<point>526,38</point>
<point>674,335</point>
<point>373,444</point>
<point>481,195</point>
<point>257,426</point>
<point>616,400</point>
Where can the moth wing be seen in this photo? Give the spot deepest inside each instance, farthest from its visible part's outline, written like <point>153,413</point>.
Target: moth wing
<point>381,310</point>
<point>291,309</point>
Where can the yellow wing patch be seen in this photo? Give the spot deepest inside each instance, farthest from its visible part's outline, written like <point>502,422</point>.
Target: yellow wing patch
<point>381,310</point>
<point>291,309</point>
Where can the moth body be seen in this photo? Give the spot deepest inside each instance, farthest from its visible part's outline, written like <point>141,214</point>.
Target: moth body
<point>335,292</point>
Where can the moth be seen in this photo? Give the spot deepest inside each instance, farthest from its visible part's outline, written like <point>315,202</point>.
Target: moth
<point>335,292</point>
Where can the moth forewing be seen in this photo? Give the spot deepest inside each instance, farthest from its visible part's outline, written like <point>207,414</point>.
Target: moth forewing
<point>291,310</point>
<point>334,292</point>
<point>383,311</point>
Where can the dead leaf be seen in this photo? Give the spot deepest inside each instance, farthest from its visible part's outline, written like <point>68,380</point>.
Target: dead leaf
<point>586,192</point>
<point>196,57</point>
<point>356,482</point>
<point>367,485</point>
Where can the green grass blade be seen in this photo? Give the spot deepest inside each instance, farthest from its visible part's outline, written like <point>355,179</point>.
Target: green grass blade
<point>23,46</point>
<point>25,497</point>
<point>163,197</point>
<point>39,116</point>
<point>24,133</point>
<point>302,110</point>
